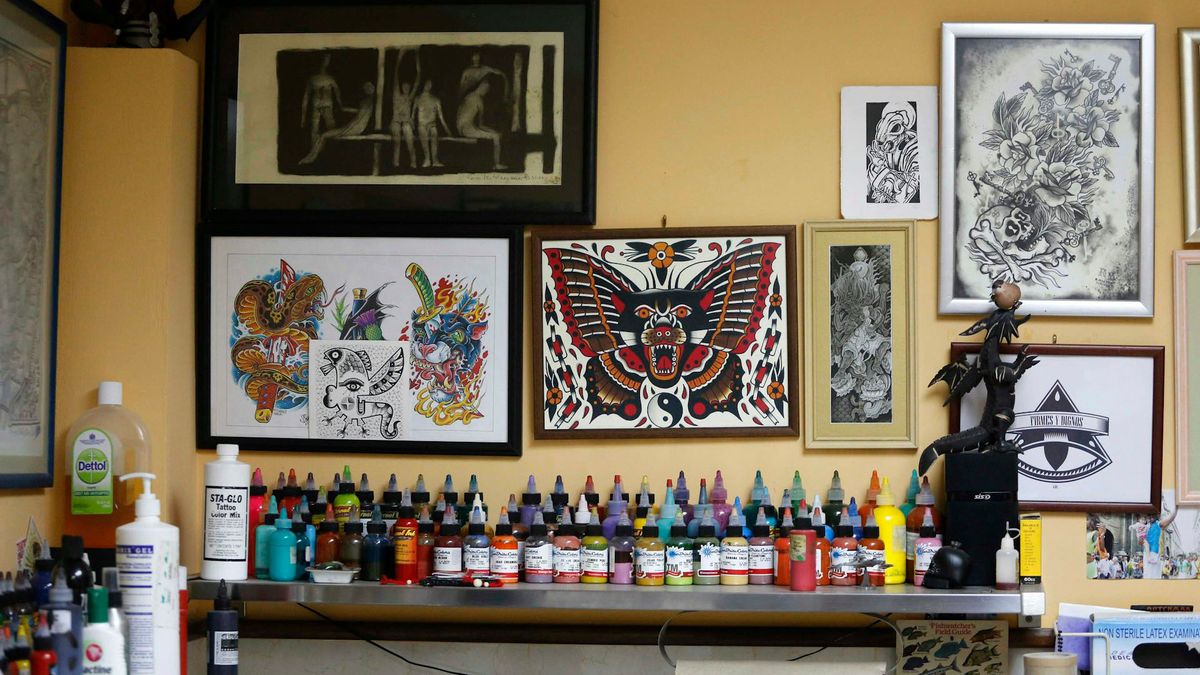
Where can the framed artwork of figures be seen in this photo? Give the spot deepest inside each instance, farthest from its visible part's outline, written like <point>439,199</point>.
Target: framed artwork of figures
<point>1189,46</point>
<point>1187,376</point>
<point>33,45</point>
<point>433,112</point>
<point>404,345</point>
<point>1048,167</point>
<point>889,152</point>
<point>859,335</point>
<point>665,332</point>
<point>1088,420</point>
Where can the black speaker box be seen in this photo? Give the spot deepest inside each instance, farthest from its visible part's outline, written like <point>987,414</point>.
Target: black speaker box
<point>981,501</point>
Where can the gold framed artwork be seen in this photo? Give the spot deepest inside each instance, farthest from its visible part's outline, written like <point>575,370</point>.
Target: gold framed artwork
<point>859,335</point>
<point>1187,377</point>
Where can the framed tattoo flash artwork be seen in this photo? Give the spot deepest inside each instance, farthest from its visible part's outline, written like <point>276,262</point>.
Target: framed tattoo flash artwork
<point>889,152</point>
<point>1189,54</point>
<point>1048,167</point>
<point>362,344</point>
<point>453,112</point>
<point>1187,376</point>
<point>32,63</point>
<point>1089,422</point>
<point>859,335</point>
<point>666,332</point>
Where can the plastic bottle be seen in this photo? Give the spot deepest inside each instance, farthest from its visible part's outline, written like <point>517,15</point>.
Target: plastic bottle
<point>74,568</point>
<point>592,497</point>
<point>750,510</point>
<point>583,515</point>
<point>311,491</point>
<point>783,560</point>
<point>618,504</point>
<point>872,496</point>
<point>404,541</point>
<point>447,548</point>
<point>389,505</point>
<point>735,553</point>
<point>366,498</point>
<point>640,514</point>
<point>820,523</point>
<point>520,532</point>
<point>104,443</point>
<point>377,547</point>
<point>666,513</point>
<point>1006,561</point>
<point>43,660</point>
<point>420,495</point>
<point>304,545</point>
<point>310,530</point>
<point>450,496</point>
<point>103,645</point>
<point>257,509</point>
<point>802,556</point>
<point>226,516</point>
<point>682,496</point>
<point>531,499</point>
<point>282,550</point>
<point>702,507</point>
<point>916,517</point>
<point>559,497</point>
<point>568,560</point>
<point>116,604</point>
<point>650,554</point>
<point>706,552</point>
<point>594,548</point>
<point>335,487</point>
<point>834,501</point>
<point>148,547</point>
<point>910,494</point>
<point>425,544</point>
<point>926,546</point>
<point>471,498</point>
<point>539,552</point>
<point>720,506</point>
<point>761,552</point>
<point>291,493</point>
<point>680,550</point>
<point>549,517</point>
<point>346,501</point>
<point>871,542</point>
<point>798,494</point>
<point>438,515</point>
<point>476,546</point>
<point>262,541</point>
<point>892,531</point>
<point>743,531</point>
<point>843,551</point>
<point>620,552</point>
<point>350,551</point>
<point>821,558</point>
<point>505,554</point>
<point>329,541</point>
<point>21,650</point>
<point>43,576</point>
<point>66,627</point>
<point>856,518</point>
<point>222,635</point>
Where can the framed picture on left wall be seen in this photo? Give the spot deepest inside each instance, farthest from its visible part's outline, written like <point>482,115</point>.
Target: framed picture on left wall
<point>413,344</point>
<point>32,65</point>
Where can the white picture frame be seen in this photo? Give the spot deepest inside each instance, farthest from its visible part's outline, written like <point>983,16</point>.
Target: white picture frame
<point>1037,151</point>
<point>889,153</point>
<point>1189,44</point>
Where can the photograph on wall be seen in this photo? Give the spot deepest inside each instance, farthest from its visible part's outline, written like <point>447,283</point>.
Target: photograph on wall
<point>32,57</point>
<point>1088,420</point>
<point>461,113</point>
<point>858,334</point>
<point>667,332</point>
<point>964,646</point>
<point>889,152</point>
<point>1048,167</point>
<point>1164,545</point>
<point>391,345</point>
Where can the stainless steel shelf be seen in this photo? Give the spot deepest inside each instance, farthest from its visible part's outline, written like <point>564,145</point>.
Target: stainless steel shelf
<point>899,599</point>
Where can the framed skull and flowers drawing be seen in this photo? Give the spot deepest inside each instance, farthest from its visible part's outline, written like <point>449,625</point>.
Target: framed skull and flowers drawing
<point>859,335</point>
<point>666,332</point>
<point>1048,167</point>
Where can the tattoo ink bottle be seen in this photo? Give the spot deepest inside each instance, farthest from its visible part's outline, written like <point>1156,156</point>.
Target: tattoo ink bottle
<point>531,499</point>
<point>304,545</point>
<point>351,550</point>
<point>640,514</point>
<point>377,548</point>
<point>282,565</point>
<point>834,501</point>
<point>706,553</point>
<point>682,496</point>
<point>451,498</point>
<point>425,545</point>
<point>404,542</point>
<point>590,494</point>
<point>649,555</point>
<point>476,546</point>
<point>420,496</point>
<point>550,517</point>
<point>594,550</point>
<point>702,507</point>
<point>761,552</point>
<point>802,554</point>
<point>329,541</point>
<point>366,498</point>
<point>310,491</point>
<point>680,551</point>
<point>666,512</point>
<point>568,563</point>
<point>559,497</point>
<point>262,541</point>
<point>720,505</point>
<point>390,504</point>
<point>346,501</point>
<point>620,553</point>
<point>735,553</point>
<point>618,504</point>
<point>843,554</point>
<point>505,552</point>
<point>291,493</point>
<point>257,509</point>
<point>447,548</point>
<point>783,560</point>
<point>797,493</point>
<point>821,558</point>
<point>520,532</point>
<point>871,542</point>
<point>539,552</point>
<point>334,488</point>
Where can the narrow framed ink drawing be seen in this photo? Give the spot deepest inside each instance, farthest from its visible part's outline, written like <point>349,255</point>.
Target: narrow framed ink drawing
<point>1048,167</point>
<point>889,152</point>
<point>33,46</point>
<point>677,332</point>
<point>1187,376</point>
<point>1089,422</point>
<point>1189,94</point>
<point>433,112</point>
<point>418,343</point>
<point>859,335</point>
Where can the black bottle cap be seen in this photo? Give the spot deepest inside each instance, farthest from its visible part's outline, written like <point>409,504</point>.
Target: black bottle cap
<point>625,530</point>
<point>678,530</point>
<point>258,490</point>
<point>43,565</point>
<point>293,491</point>
<point>593,498</point>
<point>345,488</point>
<point>221,602</point>
<point>298,527</point>
<point>365,496</point>
<point>354,527</point>
<point>709,530</point>
<point>504,528</point>
<point>803,523</point>
<point>328,526</point>
<point>311,495</point>
<point>538,530</point>
<point>475,528</point>
<point>871,532</point>
<point>270,519</point>
<point>784,531</point>
<point>420,497</point>
<point>42,644</point>
<point>532,498</point>
<point>763,530</point>
<point>407,512</point>
<point>451,498</point>
<point>425,526</point>
<point>928,532</point>
<point>392,496</point>
<point>115,600</point>
<point>377,527</point>
<point>566,530</point>
<point>559,500</point>
<point>844,531</point>
<point>594,530</point>
<point>469,497</point>
<point>641,512</point>
<point>72,547</point>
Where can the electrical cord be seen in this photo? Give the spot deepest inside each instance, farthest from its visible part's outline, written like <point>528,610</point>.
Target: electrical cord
<point>662,636</point>
<point>878,619</point>
<point>375,644</point>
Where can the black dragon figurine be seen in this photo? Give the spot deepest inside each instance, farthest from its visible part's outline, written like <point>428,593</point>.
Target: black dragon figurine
<point>142,23</point>
<point>999,377</point>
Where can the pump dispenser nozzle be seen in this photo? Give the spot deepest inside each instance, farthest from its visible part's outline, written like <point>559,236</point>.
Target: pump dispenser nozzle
<point>147,505</point>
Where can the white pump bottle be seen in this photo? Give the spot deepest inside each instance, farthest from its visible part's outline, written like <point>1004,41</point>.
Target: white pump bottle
<point>148,572</point>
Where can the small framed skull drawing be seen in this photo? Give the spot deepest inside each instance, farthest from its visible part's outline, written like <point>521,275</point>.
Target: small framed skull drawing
<point>889,152</point>
<point>1047,167</point>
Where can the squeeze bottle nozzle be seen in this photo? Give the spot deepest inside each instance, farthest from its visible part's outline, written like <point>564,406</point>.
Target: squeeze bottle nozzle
<point>703,497</point>
<point>310,483</point>
<point>682,494</point>
<point>719,495</point>
<point>473,484</point>
<point>885,497</point>
<point>925,495</point>
<point>531,486</point>
<point>420,483</point>
<point>914,486</point>
<point>257,479</point>
<point>346,477</point>
<point>405,497</point>
<point>281,481</point>
<point>787,518</point>
<point>558,484</point>
<point>393,485</point>
<point>589,486</point>
<point>364,485</point>
<point>291,479</point>
<point>835,492</point>
<point>797,486</point>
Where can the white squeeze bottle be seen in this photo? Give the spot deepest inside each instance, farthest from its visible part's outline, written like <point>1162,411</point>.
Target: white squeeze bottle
<point>226,516</point>
<point>1006,563</point>
<point>107,441</point>
<point>148,570</point>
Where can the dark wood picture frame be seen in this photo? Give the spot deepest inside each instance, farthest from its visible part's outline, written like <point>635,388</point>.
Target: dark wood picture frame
<point>40,470</point>
<point>793,338</point>
<point>511,447</point>
<point>1156,353</point>
<point>572,201</point>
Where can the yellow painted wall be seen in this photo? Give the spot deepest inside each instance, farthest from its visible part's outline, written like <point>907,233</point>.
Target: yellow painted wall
<point>726,113</point>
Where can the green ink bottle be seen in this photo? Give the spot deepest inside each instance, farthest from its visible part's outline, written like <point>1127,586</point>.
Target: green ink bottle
<point>680,549</point>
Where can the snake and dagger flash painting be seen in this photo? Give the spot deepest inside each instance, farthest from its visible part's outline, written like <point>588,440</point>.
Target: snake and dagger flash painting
<point>666,333</point>
<point>425,317</point>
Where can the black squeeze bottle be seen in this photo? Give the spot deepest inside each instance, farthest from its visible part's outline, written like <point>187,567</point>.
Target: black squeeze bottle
<point>76,572</point>
<point>222,635</point>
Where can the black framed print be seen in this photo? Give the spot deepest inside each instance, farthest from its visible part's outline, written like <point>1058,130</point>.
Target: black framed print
<point>33,45</point>
<point>433,112</point>
<point>401,345</point>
